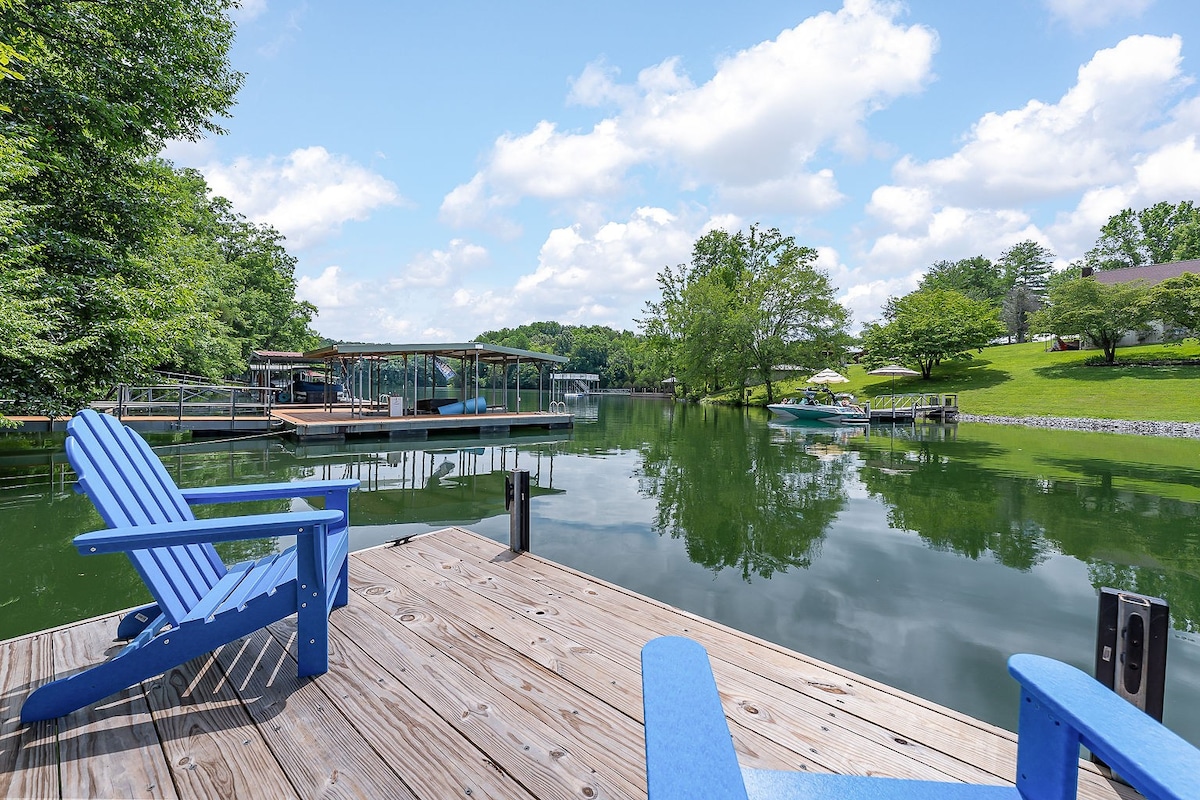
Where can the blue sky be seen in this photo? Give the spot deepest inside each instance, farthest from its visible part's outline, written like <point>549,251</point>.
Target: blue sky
<point>444,169</point>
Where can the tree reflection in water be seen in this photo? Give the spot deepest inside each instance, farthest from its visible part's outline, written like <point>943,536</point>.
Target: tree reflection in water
<point>743,494</point>
<point>973,498</point>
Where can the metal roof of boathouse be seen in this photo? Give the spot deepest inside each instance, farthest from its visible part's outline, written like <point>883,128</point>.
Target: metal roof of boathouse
<point>486,352</point>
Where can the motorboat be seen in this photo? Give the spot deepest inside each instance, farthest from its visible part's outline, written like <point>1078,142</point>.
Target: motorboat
<point>827,407</point>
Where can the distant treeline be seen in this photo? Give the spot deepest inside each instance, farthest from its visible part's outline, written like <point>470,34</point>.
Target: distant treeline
<point>620,358</point>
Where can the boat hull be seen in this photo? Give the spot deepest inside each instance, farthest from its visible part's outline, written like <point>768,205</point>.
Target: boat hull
<point>831,415</point>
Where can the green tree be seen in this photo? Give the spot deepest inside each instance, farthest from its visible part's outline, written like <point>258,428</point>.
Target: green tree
<point>747,302</point>
<point>788,309</point>
<point>9,55</point>
<point>691,329</point>
<point>976,277</point>
<point>1027,264</point>
<point>232,283</point>
<point>1100,313</point>
<point>1018,304</point>
<point>925,328</point>
<point>1162,233</point>
<point>105,85</point>
<point>1176,301</point>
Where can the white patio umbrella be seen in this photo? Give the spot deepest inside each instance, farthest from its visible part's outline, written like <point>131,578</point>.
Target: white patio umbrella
<point>828,376</point>
<point>893,370</point>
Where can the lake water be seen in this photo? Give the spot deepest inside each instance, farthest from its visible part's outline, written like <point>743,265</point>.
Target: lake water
<point>918,556</point>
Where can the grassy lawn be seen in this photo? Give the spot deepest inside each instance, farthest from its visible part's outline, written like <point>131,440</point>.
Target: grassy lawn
<point>1024,380</point>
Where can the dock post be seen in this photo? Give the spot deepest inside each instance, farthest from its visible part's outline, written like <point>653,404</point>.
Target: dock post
<point>516,501</point>
<point>1131,651</point>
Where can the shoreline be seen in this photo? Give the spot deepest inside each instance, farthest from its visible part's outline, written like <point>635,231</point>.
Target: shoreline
<point>1182,430</point>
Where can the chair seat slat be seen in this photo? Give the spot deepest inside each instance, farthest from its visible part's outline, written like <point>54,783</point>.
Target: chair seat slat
<point>269,574</point>
<point>218,593</point>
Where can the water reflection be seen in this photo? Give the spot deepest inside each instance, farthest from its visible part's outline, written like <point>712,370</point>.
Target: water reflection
<point>1076,505</point>
<point>759,499</point>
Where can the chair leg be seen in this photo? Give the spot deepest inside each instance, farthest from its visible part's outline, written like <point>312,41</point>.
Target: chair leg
<point>142,658</point>
<point>342,596</point>
<point>312,637</point>
<point>136,621</point>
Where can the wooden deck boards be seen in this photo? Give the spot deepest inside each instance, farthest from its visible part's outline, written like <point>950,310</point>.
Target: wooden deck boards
<point>461,670</point>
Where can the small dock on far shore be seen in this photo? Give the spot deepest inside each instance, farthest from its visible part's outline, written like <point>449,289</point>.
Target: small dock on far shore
<point>462,670</point>
<point>913,407</point>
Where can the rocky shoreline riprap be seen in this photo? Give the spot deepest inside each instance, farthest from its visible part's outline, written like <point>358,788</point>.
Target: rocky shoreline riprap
<point>1190,430</point>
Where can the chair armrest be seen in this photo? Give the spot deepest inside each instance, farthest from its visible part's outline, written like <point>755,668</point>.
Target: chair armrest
<point>689,752</point>
<point>1152,758</point>
<point>266,491</point>
<point>222,529</point>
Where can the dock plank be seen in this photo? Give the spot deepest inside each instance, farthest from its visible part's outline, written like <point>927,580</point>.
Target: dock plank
<point>321,755</point>
<point>208,741</point>
<point>912,725</point>
<point>587,669</point>
<point>815,739</point>
<point>111,748</point>
<point>459,669</point>
<point>28,767</point>
<point>511,738</point>
<point>586,724</point>
<point>434,760</point>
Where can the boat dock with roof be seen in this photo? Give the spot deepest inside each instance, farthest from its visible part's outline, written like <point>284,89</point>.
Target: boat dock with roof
<point>373,390</point>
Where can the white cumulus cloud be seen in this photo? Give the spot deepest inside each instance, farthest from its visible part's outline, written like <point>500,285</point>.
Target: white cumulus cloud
<point>1045,149</point>
<point>749,132</point>
<point>441,267</point>
<point>331,289</point>
<point>605,272</point>
<point>307,195</point>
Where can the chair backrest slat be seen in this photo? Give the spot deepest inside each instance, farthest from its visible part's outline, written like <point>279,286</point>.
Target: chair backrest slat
<point>129,487</point>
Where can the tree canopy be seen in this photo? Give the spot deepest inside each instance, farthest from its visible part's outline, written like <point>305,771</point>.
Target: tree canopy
<point>618,357</point>
<point>976,277</point>
<point>1176,301</point>
<point>1100,313</point>
<point>925,328</point>
<point>748,302</point>
<point>1159,234</point>
<point>113,262</point>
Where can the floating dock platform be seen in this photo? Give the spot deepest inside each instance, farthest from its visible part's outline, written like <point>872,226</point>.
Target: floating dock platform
<point>913,407</point>
<point>339,424</point>
<point>462,670</point>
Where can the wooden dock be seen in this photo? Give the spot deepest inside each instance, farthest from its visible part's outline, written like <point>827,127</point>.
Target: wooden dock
<point>339,423</point>
<point>461,670</point>
<point>913,407</point>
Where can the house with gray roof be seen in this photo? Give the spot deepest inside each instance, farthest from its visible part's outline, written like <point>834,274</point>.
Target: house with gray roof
<point>1150,274</point>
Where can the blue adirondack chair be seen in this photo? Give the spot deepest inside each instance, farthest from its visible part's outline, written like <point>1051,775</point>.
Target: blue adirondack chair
<point>199,602</point>
<point>689,752</point>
